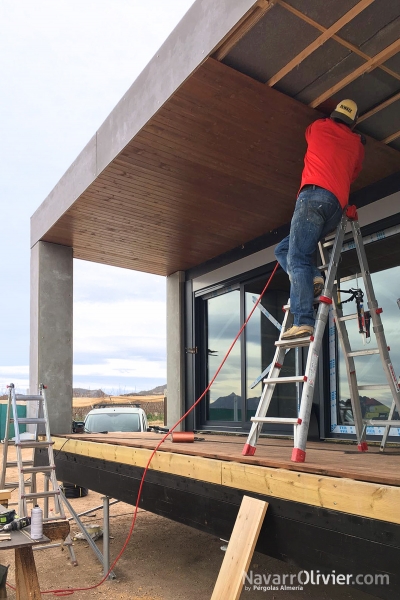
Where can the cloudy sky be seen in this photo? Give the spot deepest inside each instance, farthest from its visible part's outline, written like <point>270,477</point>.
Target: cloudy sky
<point>64,66</point>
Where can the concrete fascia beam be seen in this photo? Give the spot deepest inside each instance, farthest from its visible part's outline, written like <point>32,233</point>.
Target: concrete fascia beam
<point>196,36</point>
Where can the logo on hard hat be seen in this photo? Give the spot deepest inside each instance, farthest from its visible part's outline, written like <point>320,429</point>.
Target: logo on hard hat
<point>346,111</point>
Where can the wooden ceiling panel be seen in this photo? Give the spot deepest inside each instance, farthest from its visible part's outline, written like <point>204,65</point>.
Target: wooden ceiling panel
<point>217,166</point>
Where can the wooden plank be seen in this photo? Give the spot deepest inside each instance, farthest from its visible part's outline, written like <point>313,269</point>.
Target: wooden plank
<point>326,35</point>
<point>242,27</point>
<point>379,107</point>
<point>391,138</point>
<point>369,65</point>
<point>345,495</point>
<point>195,467</point>
<point>240,549</point>
<point>337,39</point>
<point>5,496</point>
<point>27,583</point>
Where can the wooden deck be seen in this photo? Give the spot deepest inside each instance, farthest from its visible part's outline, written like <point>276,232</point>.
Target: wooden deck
<point>335,459</point>
<point>336,476</point>
<point>339,510</point>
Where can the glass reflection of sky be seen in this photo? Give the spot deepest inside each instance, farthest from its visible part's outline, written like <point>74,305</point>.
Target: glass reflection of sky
<point>369,368</point>
<point>223,326</point>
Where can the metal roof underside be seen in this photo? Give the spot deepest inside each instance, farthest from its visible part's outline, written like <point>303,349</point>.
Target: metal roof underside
<point>219,163</point>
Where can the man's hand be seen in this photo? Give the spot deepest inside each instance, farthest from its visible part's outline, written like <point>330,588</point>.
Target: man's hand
<point>363,139</point>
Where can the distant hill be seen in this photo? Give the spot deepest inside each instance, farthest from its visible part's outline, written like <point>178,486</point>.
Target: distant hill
<point>159,389</point>
<point>82,393</point>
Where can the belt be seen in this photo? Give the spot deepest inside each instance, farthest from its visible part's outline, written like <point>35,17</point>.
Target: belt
<point>311,186</point>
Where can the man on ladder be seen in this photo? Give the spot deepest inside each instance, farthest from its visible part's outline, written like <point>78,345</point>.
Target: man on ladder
<point>332,162</point>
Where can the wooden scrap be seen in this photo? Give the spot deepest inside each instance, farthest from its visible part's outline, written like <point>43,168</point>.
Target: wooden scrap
<point>56,530</point>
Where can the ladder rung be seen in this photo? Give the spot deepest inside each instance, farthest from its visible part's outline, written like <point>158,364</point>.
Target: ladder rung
<point>348,317</point>
<point>44,469</point>
<point>14,463</point>
<point>376,386</point>
<point>276,420</point>
<point>296,343</point>
<point>22,398</point>
<point>381,423</point>
<point>364,352</point>
<point>34,444</point>
<point>12,484</point>
<point>28,421</point>
<point>323,267</point>
<point>297,379</point>
<point>41,494</point>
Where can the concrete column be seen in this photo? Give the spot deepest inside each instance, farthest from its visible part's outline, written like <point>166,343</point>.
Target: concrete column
<point>175,348</point>
<point>51,330</point>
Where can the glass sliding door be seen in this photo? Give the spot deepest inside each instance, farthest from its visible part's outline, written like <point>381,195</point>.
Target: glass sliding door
<point>261,333</point>
<point>222,322</point>
<point>375,404</point>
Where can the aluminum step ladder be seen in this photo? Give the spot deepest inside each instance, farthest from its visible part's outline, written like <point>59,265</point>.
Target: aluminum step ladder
<point>28,491</point>
<point>327,300</point>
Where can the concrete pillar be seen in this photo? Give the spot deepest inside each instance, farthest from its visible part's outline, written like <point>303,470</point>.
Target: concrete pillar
<point>51,330</point>
<point>175,348</point>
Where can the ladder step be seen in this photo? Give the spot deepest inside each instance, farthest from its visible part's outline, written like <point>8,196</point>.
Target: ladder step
<point>276,420</point>
<point>28,421</point>
<point>305,341</point>
<point>22,398</point>
<point>364,352</point>
<point>41,494</point>
<point>12,484</point>
<point>44,469</point>
<point>34,444</point>
<point>348,317</point>
<point>381,423</point>
<point>377,386</point>
<point>14,463</point>
<point>297,379</point>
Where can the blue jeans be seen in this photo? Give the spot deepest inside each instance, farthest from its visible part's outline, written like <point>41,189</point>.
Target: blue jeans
<point>317,213</point>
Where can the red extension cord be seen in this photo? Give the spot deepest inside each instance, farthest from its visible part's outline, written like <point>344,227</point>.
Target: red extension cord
<point>70,591</point>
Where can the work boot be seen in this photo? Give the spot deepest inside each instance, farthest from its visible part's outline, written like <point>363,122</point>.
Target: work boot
<point>318,286</point>
<point>298,331</point>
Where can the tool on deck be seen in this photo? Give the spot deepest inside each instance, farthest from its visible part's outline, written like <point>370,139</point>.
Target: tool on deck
<point>328,299</point>
<point>33,441</point>
<point>16,524</point>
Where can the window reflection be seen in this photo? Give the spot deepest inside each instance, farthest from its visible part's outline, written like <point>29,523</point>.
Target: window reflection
<point>223,323</point>
<point>261,335</point>
<point>375,404</point>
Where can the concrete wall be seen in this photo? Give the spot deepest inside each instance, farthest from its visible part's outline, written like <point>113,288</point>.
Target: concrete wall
<point>175,348</point>
<point>51,330</point>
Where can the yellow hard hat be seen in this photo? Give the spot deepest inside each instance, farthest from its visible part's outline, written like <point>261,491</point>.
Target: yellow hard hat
<point>346,111</point>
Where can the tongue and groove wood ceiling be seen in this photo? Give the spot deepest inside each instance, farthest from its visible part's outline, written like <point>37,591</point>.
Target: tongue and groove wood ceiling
<point>219,164</point>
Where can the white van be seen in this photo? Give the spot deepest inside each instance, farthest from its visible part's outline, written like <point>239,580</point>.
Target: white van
<point>105,418</point>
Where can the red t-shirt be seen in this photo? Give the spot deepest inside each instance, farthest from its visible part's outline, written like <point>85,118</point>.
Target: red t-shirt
<point>333,159</point>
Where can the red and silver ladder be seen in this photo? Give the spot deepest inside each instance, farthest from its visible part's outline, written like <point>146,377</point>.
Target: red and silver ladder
<point>327,299</point>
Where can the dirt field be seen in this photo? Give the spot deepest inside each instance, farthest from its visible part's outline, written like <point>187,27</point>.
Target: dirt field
<point>79,402</point>
<point>163,561</point>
